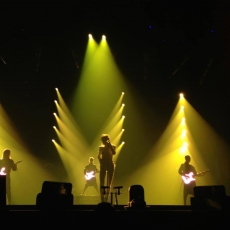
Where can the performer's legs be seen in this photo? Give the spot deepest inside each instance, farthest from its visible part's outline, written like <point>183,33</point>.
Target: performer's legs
<point>110,174</point>
<point>8,190</point>
<point>188,190</point>
<point>86,186</point>
<point>185,194</point>
<point>102,179</point>
<point>95,186</point>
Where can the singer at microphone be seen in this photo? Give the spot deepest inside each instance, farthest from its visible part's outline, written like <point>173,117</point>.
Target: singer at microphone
<point>107,166</point>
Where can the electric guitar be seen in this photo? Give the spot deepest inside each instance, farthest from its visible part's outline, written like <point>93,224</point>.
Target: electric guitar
<point>90,175</point>
<point>2,171</point>
<point>187,178</point>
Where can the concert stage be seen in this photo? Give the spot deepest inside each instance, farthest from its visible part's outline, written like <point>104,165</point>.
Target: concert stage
<point>86,216</point>
<point>64,210</point>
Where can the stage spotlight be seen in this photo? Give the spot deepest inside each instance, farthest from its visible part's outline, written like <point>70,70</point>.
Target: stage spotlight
<point>123,117</point>
<point>123,104</point>
<point>181,95</point>
<point>55,114</point>
<point>184,147</point>
<point>103,37</point>
<point>90,36</point>
<point>123,93</point>
<point>183,121</point>
<point>183,133</point>
<point>56,89</point>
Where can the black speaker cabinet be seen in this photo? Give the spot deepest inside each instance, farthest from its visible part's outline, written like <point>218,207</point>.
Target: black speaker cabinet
<point>2,191</point>
<point>136,197</point>
<point>55,195</point>
<point>211,197</point>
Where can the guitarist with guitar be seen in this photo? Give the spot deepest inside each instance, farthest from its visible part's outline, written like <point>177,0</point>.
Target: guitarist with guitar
<point>188,174</point>
<point>6,165</point>
<point>90,171</point>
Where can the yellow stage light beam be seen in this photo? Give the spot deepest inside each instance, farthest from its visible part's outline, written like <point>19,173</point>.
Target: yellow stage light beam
<point>114,117</point>
<point>166,152</point>
<point>183,134</point>
<point>118,151</point>
<point>112,121</point>
<point>73,167</point>
<point>64,111</point>
<point>90,50</point>
<point>170,139</point>
<point>99,78</point>
<point>70,136</point>
<point>68,145</point>
<point>184,148</point>
<point>65,131</point>
<point>113,131</point>
<point>69,140</point>
<point>72,141</point>
<point>67,118</point>
<point>63,105</point>
<point>181,96</point>
<point>117,139</point>
<point>30,169</point>
<point>117,128</point>
<point>90,37</point>
<point>69,122</point>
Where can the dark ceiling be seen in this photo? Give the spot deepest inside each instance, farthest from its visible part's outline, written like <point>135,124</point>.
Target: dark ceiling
<point>162,47</point>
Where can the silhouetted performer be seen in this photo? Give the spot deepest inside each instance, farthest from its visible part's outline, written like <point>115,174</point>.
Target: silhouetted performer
<point>7,163</point>
<point>188,172</point>
<point>107,166</point>
<point>90,175</point>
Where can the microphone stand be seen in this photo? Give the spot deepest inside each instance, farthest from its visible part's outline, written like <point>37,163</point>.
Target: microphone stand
<point>118,192</point>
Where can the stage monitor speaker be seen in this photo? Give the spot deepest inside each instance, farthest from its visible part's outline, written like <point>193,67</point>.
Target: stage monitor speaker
<point>53,187</point>
<point>55,195</point>
<point>136,197</point>
<point>211,197</point>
